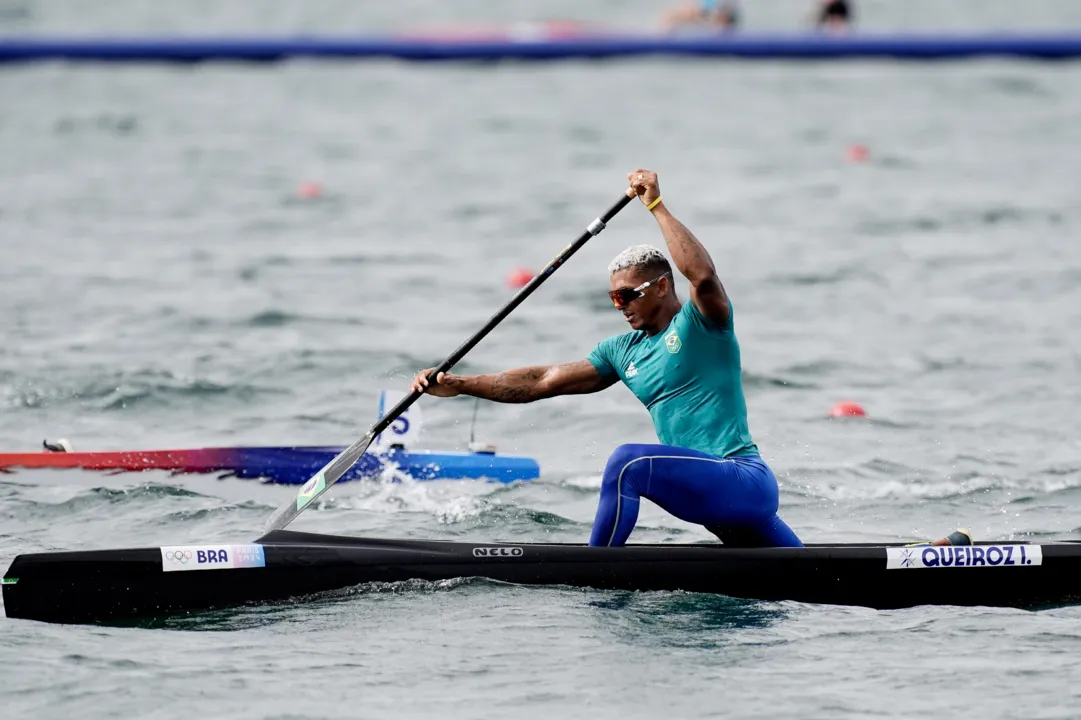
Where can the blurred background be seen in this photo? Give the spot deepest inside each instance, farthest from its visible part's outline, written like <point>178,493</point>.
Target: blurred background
<point>226,253</point>
<point>348,16</point>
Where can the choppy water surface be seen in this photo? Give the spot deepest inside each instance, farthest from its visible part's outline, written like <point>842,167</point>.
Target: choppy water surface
<point>164,285</point>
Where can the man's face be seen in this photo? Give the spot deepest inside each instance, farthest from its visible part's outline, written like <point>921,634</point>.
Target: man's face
<point>639,311</point>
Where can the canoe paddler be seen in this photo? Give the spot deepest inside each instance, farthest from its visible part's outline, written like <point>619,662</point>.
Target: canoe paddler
<point>682,361</point>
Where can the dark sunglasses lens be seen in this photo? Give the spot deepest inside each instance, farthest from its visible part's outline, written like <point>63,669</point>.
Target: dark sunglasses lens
<point>622,297</point>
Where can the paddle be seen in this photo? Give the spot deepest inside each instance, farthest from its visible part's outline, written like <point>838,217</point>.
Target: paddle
<point>329,475</point>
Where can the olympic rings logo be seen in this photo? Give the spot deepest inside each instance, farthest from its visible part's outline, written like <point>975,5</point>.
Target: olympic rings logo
<point>180,556</point>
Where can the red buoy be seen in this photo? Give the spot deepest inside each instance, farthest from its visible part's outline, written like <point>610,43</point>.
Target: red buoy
<point>858,154</point>
<point>309,190</point>
<point>847,408</point>
<point>519,277</point>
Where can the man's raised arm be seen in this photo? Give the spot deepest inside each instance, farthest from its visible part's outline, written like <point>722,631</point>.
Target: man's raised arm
<point>690,256</point>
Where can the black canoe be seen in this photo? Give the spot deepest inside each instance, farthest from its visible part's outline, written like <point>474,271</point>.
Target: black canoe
<point>110,585</point>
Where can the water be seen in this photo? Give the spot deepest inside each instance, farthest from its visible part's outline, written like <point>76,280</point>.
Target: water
<point>164,286</point>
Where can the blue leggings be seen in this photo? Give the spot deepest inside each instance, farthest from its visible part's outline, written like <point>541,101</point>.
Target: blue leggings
<point>735,498</point>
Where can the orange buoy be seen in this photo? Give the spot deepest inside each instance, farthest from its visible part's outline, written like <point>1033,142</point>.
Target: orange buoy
<point>847,408</point>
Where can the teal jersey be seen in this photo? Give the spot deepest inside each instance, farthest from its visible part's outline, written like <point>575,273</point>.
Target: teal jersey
<point>689,378</point>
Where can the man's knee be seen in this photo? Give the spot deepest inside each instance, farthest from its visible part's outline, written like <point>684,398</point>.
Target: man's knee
<point>627,463</point>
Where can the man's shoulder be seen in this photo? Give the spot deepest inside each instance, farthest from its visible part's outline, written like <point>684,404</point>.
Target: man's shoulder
<point>623,341</point>
<point>612,352</point>
<point>690,316</point>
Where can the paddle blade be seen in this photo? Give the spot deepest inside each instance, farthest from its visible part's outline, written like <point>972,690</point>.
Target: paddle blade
<point>318,484</point>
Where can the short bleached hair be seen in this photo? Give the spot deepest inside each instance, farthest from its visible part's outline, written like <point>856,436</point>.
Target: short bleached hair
<point>641,257</point>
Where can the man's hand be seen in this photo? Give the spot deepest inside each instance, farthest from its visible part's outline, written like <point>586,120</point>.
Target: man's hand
<point>443,387</point>
<point>644,184</point>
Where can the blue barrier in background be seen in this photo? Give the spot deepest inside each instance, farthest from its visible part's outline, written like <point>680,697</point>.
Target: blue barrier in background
<point>586,46</point>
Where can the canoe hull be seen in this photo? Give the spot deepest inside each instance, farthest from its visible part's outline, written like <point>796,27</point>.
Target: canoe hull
<point>112,585</point>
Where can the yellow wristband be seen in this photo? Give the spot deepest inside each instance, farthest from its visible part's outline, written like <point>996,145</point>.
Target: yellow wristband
<point>654,204</point>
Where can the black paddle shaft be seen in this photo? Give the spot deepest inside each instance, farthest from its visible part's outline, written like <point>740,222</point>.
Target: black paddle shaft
<point>594,228</point>
<point>337,467</point>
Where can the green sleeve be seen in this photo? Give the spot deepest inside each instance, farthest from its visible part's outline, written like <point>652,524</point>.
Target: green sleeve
<point>601,358</point>
<point>705,323</point>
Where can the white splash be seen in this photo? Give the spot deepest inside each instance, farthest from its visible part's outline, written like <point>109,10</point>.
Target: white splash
<point>450,501</point>
<point>584,482</point>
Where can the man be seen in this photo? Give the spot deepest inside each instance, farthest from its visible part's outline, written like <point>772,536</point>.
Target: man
<point>720,14</point>
<point>682,361</point>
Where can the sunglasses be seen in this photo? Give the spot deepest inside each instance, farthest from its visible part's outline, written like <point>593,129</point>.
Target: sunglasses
<point>624,296</point>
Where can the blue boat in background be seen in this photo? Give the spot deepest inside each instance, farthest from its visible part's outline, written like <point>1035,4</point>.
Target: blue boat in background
<point>389,456</point>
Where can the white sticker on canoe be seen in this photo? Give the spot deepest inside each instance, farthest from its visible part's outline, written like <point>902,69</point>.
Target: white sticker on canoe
<point>211,557</point>
<point>945,556</point>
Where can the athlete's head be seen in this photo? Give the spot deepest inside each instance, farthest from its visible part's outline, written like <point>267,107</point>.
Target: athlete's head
<point>640,279</point>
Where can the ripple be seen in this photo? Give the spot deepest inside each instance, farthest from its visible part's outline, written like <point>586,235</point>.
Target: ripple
<point>121,390</point>
<point>119,125</point>
<point>834,277</point>
<point>85,500</point>
<point>755,380</point>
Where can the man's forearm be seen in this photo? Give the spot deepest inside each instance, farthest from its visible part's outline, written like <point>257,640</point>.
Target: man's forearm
<point>690,256</point>
<point>520,385</point>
